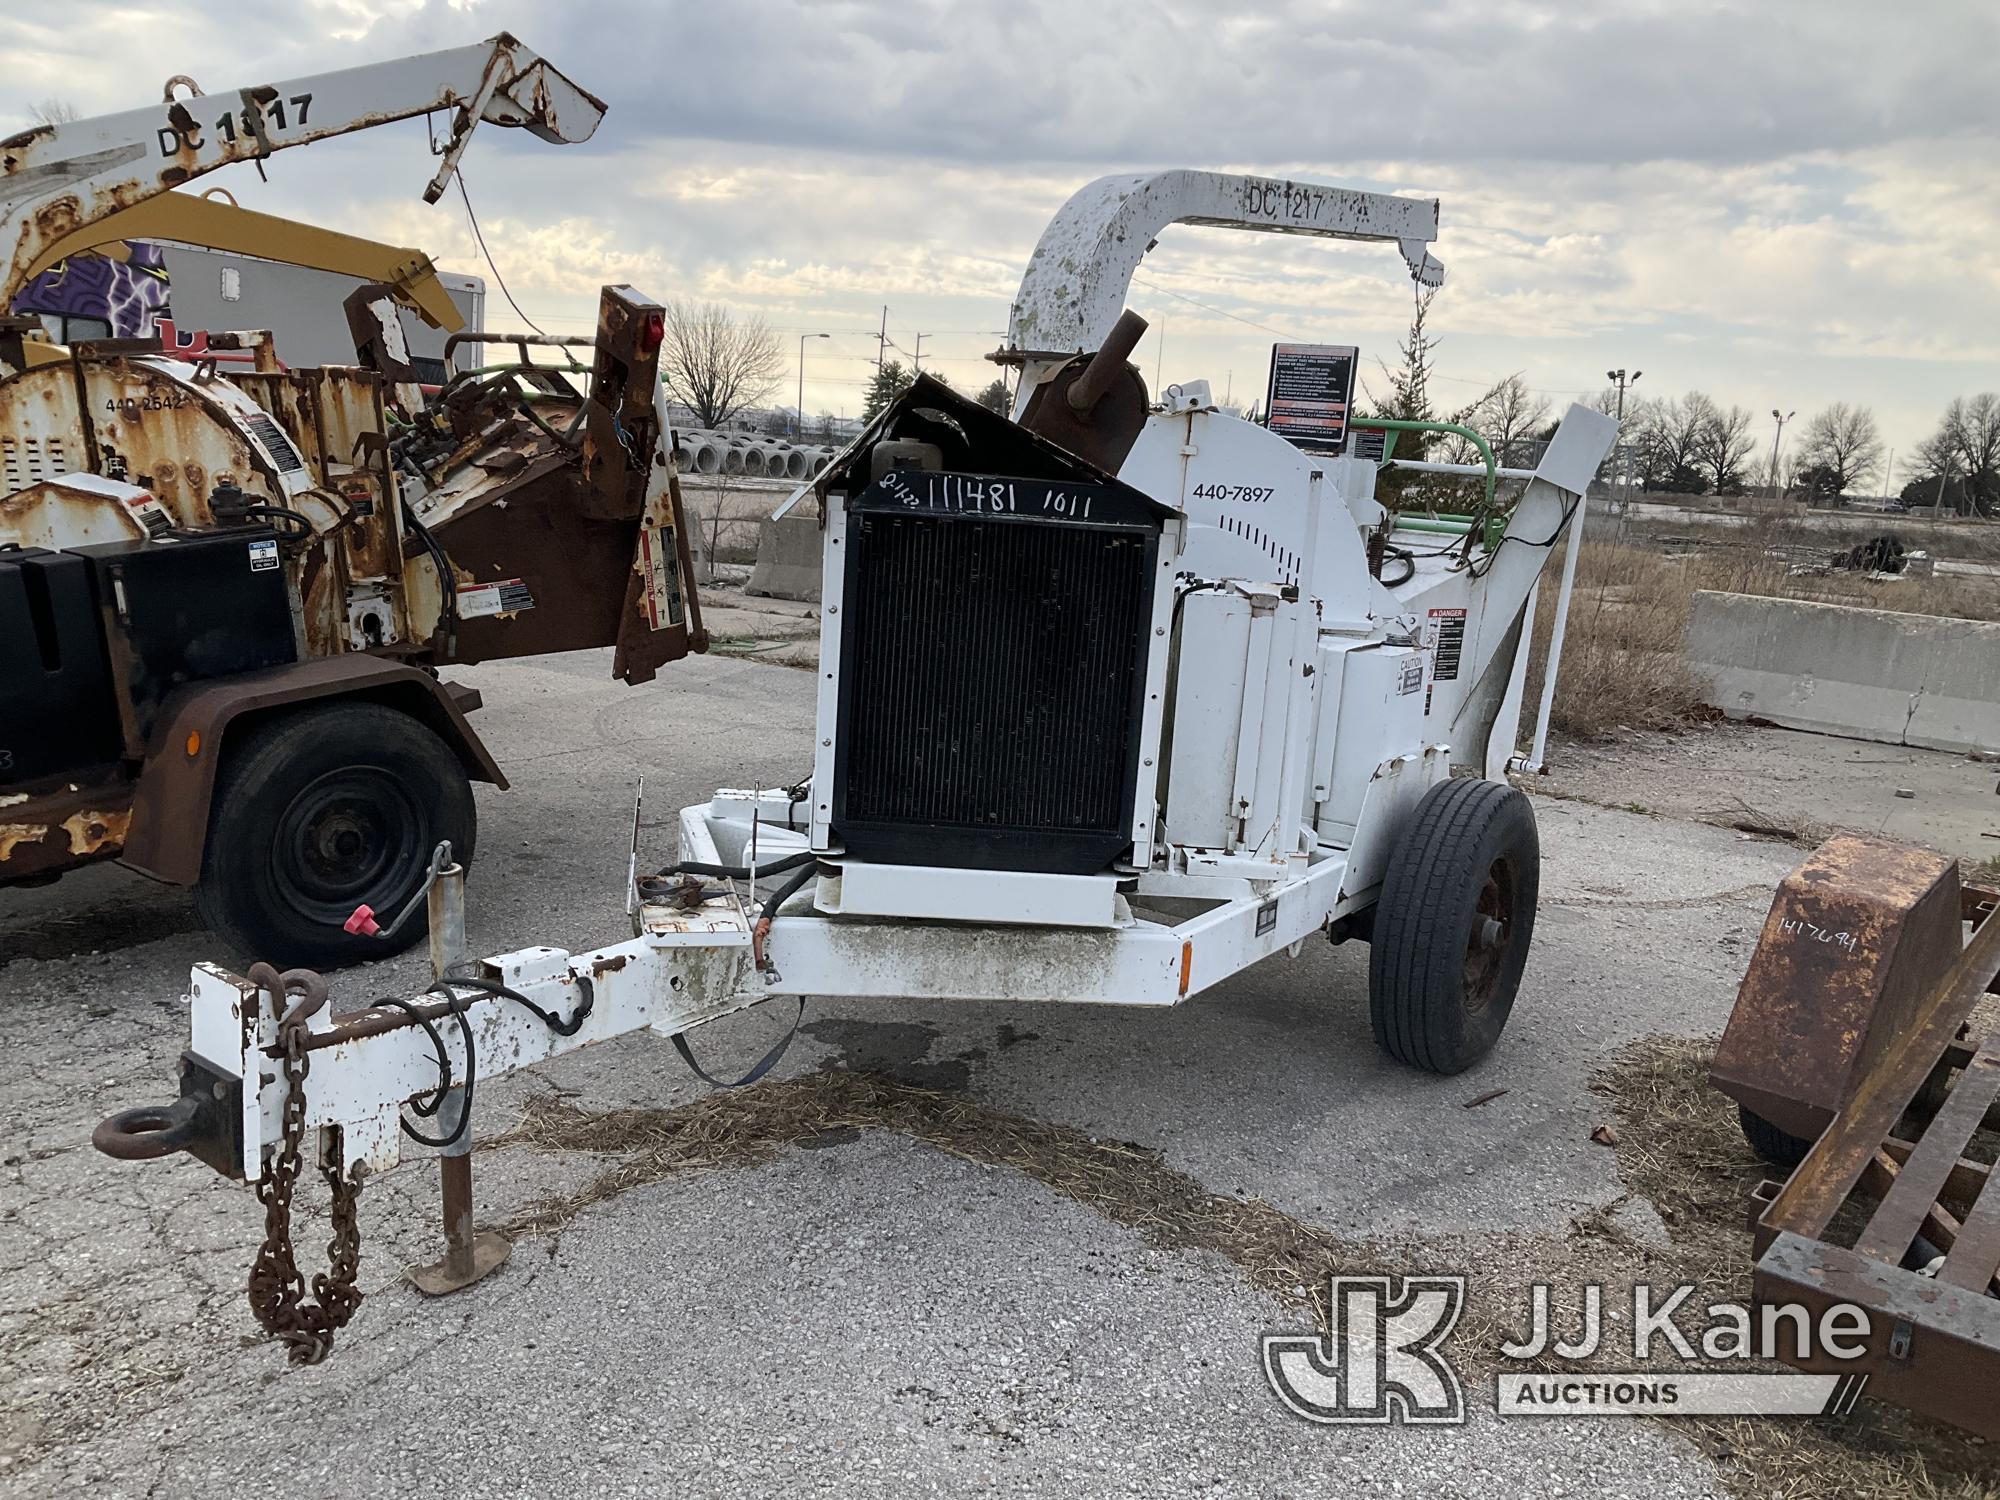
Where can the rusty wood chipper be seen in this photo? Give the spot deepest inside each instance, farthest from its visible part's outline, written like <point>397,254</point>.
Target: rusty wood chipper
<point>1860,1061</point>
<point>226,586</point>
<point>1116,698</point>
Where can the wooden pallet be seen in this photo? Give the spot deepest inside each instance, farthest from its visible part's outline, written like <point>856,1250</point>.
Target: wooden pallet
<point>1933,1343</point>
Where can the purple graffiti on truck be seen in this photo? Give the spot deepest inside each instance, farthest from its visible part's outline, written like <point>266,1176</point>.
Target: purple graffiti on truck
<point>124,293</point>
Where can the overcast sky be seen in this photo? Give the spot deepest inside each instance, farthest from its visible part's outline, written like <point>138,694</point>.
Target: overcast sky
<point>1783,204</point>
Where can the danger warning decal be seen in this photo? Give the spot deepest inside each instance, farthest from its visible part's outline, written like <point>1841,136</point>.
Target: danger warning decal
<point>659,568</point>
<point>1444,648</point>
<point>1444,635</point>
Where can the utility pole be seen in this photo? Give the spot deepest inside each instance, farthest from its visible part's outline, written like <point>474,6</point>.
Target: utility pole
<point>882,340</point>
<point>801,429</point>
<point>917,359</point>
<point>1781,418</point>
<point>1620,379</point>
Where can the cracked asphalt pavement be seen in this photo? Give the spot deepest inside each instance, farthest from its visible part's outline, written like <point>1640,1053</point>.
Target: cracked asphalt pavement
<point>866,1317</point>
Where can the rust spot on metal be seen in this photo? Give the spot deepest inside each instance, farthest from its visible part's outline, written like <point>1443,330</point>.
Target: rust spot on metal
<point>1856,937</point>
<point>94,830</point>
<point>13,835</point>
<point>605,966</point>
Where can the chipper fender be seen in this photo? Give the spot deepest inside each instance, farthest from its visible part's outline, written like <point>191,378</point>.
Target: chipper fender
<point>170,812</point>
<point>288,797</point>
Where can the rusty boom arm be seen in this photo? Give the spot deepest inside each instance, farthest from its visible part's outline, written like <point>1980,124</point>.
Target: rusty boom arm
<point>57,179</point>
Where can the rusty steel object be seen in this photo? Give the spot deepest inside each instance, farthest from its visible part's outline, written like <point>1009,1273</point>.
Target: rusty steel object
<point>470,1254</point>
<point>73,821</point>
<point>1853,1017</point>
<point>1094,405</point>
<point>1926,1265</point>
<point>148,1132</point>
<point>58,178</point>
<point>277,1291</point>
<point>170,808</point>
<point>1857,938</point>
<point>570,504</point>
<point>158,823</point>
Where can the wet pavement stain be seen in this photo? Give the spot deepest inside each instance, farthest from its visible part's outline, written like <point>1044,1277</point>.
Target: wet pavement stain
<point>899,1049</point>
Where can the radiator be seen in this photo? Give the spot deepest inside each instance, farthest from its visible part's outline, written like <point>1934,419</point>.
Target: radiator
<point>993,670</point>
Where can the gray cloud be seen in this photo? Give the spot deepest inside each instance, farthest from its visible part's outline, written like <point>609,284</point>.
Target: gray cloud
<point>1771,200</point>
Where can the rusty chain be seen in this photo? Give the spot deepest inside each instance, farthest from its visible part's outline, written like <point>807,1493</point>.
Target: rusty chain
<point>277,1290</point>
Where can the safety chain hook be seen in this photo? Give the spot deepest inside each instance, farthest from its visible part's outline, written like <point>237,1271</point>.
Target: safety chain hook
<point>277,1290</point>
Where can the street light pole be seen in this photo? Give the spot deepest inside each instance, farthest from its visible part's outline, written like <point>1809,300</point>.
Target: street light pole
<point>800,430</point>
<point>1781,418</point>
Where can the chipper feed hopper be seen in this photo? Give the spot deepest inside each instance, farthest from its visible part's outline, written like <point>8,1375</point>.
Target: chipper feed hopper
<point>226,586</point>
<point>1115,700</point>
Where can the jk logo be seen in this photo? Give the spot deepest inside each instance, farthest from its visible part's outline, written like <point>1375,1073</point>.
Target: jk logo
<point>1380,1363</point>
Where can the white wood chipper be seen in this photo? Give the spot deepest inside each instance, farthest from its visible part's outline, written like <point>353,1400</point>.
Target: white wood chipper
<point>1117,698</point>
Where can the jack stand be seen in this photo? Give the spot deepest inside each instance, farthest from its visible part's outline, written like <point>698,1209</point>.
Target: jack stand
<point>467,1255</point>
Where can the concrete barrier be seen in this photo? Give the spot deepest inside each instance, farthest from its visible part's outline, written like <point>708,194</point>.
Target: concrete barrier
<point>1868,674</point>
<point>788,557</point>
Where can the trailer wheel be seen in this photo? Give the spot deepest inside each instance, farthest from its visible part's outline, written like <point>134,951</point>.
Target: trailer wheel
<point>319,812</point>
<point>1452,925</point>
<point>1778,1147</point>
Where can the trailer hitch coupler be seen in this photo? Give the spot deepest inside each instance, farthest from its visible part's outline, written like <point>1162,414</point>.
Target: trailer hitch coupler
<point>148,1132</point>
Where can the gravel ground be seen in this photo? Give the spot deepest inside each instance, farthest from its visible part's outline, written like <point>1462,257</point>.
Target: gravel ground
<point>867,1317</point>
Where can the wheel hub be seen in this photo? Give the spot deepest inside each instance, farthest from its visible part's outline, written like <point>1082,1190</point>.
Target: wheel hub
<point>1491,934</point>
<point>354,834</point>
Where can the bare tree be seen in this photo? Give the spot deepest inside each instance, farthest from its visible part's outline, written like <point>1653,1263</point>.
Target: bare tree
<point>1510,412</point>
<point>1838,449</point>
<point>1669,440</point>
<point>1967,445</point>
<point>1725,448</point>
<point>716,362</point>
<point>716,525</point>
<point>53,111</point>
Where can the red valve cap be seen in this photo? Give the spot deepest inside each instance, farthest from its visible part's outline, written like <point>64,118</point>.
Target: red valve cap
<point>362,923</point>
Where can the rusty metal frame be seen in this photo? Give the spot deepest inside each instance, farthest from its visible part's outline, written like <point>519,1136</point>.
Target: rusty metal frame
<point>1933,1343</point>
<point>169,824</point>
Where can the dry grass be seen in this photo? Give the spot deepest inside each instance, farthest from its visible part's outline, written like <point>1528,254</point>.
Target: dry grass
<point>1678,1145</point>
<point>1125,1183</point>
<point>1623,665</point>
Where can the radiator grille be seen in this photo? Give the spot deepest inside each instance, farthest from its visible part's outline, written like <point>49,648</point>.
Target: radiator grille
<point>992,677</point>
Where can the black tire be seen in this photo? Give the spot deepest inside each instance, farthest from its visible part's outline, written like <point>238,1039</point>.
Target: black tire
<point>1453,924</point>
<point>1776,1146</point>
<point>322,810</point>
